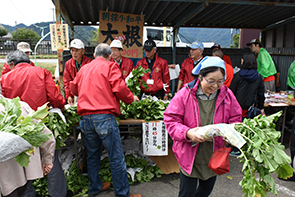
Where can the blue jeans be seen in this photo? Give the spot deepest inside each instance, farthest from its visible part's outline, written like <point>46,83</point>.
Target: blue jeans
<point>188,186</point>
<point>98,130</point>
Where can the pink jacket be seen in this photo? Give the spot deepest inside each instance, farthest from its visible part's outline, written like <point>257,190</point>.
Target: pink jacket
<point>183,114</point>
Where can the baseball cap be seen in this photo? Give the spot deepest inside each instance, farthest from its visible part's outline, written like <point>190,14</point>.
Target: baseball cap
<point>209,61</point>
<point>24,47</point>
<point>254,41</point>
<point>215,45</point>
<point>117,44</point>
<point>149,45</point>
<point>196,44</point>
<point>77,44</point>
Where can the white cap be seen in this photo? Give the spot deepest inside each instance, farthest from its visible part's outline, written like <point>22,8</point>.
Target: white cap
<point>24,47</point>
<point>117,44</point>
<point>77,44</point>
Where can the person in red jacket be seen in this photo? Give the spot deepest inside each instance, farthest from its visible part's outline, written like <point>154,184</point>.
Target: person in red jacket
<point>125,63</point>
<point>35,86</point>
<point>228,67</point>
<point>73,65</point>
<point>196,55</point>
<point>100,86</point>
<point>225,57</point>
<point>24,47</point>
<point>158,79</point>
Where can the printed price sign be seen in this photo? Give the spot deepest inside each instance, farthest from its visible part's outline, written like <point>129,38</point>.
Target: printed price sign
<point>128,28</point>
<point>155,138</point>
<point>59,37</point>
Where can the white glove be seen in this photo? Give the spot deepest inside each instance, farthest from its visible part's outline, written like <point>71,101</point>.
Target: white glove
<point>165,86</point>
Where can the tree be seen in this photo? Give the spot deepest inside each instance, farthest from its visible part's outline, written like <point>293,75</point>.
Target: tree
<point>236,40</point>
<point>3,32</point>
<point>95,35</point>
<point>25,34</point>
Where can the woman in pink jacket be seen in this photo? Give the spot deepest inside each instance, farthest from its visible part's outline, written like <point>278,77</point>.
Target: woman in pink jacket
<point>199,103</point>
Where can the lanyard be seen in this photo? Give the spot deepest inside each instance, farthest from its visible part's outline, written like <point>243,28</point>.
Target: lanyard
<point>150,74</point>
<point>78,65</point>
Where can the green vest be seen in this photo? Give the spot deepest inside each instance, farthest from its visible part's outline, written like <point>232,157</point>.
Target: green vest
<point>291,75</point>
<point>265,64</point>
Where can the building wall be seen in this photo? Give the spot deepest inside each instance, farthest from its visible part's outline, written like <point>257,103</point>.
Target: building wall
<point>290,35</point>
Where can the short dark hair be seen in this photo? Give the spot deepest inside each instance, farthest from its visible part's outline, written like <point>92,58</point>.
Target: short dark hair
<point>205,71</point>
<point>249,61</point>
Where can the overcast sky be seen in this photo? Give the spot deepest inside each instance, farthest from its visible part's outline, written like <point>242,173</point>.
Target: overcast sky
<point>26,11</point>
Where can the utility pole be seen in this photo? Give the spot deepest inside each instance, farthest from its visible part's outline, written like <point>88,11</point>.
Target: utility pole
<point>16,31</point>
<point>53,14</point>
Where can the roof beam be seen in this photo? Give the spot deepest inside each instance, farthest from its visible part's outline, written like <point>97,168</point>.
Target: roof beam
<point>192,14</point>
<point>243,2</point>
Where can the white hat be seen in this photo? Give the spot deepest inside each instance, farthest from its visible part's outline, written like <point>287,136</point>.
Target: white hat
<point>117,44</point>
<point>77,44</point>
<point>24,47</point>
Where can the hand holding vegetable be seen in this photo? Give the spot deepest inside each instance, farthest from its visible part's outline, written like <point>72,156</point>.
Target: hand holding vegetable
<point>135,98</point>
<point>193,136</point>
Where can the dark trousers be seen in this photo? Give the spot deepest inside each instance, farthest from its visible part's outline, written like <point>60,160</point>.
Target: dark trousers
<point>292,145</point>
<point>57,184</point>
<point>189,186</point>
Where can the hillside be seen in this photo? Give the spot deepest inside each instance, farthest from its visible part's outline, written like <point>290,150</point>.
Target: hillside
<point>81,32</point>
<point>218,35</point>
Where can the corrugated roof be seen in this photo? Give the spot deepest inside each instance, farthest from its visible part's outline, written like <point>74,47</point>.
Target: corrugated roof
<point>184,13</point>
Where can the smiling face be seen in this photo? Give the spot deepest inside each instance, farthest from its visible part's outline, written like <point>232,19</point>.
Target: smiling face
<point>216,78</point>
<point>116,53</point>
<point>77,54</point>
<point>196,54</point>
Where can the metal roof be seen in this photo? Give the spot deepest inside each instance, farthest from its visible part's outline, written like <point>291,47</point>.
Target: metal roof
<point>184,13</point>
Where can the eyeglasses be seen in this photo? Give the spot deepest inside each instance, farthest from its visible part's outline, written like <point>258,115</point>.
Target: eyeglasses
<point>212,82</point>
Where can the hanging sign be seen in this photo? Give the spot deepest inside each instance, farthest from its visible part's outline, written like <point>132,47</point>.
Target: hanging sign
<point>59,37</point>
<point>128,28</point>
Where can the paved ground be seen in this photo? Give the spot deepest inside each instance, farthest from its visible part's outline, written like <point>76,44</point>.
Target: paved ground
<point>168,185</point>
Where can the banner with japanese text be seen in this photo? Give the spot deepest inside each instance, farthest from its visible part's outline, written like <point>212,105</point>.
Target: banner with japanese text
<point>154,138</point>
<point>128,28</point>
<point>59,37</point>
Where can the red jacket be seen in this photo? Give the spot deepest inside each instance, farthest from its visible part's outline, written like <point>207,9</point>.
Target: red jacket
<point>229,74</point>
<point>227,59</point>
<point>6,68</point>
<point>126,66</point>
<point>71,72</point>
<point>100,86</point>
<point>34,85</point>
<point>159,73</point>
<point>185,74</point>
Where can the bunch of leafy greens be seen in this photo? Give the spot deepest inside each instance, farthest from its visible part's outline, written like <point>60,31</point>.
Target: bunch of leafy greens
<point>262,155</point>
<point>145,175</point>
<point>134,82</point>
<point>12,121</point>
<point>60,129</point>
<point>146,109</point>
<point>78,185</point>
